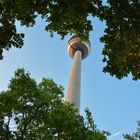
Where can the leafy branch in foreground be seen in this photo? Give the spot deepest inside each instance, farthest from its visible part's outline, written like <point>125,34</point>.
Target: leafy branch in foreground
<point>121,37</point>
<point>37,112</point>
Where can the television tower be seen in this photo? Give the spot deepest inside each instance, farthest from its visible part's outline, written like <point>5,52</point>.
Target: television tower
<point>78,50</point>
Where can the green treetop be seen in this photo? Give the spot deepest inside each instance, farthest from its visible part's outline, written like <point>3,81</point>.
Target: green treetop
<point>134,136</point>
<point>34,111</point>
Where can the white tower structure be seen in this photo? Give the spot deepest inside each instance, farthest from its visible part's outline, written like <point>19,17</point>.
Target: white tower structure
<point>78,50</point>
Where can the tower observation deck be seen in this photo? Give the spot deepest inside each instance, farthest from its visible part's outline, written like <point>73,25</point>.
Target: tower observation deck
<point>78,50</point>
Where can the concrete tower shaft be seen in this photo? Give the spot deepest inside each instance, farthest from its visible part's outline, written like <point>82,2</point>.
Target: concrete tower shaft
<point>73,91</point>
<point>78,50</point>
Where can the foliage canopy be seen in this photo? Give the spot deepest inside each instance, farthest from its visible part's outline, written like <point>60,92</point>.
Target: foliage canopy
<point>121,37</point>
<point>37,112</point>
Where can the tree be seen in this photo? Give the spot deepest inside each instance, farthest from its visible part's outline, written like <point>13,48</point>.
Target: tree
<point>37,112</point>
<point>55,13</point>
<point>134,136</point>
<point>121,38</point>
<point>122,33</point>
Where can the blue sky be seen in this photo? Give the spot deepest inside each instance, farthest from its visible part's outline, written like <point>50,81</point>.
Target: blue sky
<point>114,103</point>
